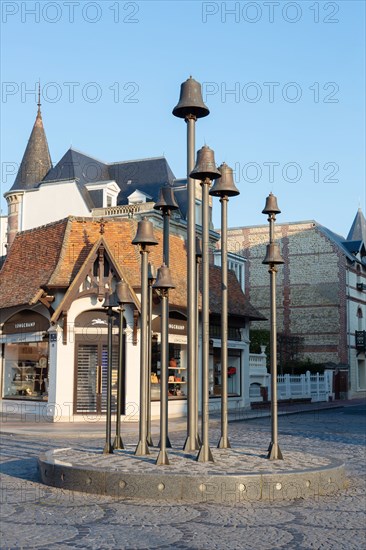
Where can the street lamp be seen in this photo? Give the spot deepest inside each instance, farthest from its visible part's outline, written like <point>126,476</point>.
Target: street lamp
<point>123,297</point>
<point>191,107</point>
<point>205,171</point>
<point>163,284</point>
<point>151,276</point>
<point>109,303</point>
<point>272,259</point>
<point>144,237</point>
<point>224,188</point>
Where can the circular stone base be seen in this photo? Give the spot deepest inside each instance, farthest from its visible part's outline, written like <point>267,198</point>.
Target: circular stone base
<point>236,475</point>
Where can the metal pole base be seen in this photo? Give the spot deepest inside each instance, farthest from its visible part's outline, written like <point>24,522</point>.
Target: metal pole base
<point>117,443</point>
<point>274,452</point>
<point>162,459</point>
<point>108,449</point>
<point>224,443</point>
<point>205,455</point>
<point>149,441</point>
<point>191,444</point>
<point>142,449</point>
<point>168,445</point>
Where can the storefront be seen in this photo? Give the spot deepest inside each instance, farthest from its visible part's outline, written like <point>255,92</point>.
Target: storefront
<point>177,369</point>
<point>25,357</point>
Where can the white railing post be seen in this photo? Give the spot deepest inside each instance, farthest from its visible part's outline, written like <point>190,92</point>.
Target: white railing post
<point>308,383</point>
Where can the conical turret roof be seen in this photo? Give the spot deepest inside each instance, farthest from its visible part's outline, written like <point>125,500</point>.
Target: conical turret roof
<point>36,162</point>
<point>358,228</point>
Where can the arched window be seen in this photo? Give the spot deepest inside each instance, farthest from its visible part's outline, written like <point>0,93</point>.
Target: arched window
<point>360,318</point>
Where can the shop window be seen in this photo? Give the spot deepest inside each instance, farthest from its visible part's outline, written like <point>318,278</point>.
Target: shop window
<point>177,371</point>
<point>233,371</point>
<point>26,371</point>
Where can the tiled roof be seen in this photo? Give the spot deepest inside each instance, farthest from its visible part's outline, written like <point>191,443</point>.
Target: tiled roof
<point>30,263</point>
<point>146,175</point>
<point>358,228</point>
<point>36,161</point>
<point>238,304</point>
<point>53,254</point>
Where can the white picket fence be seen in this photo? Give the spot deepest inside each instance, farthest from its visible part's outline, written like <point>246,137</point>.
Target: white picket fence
<point>317,387</point>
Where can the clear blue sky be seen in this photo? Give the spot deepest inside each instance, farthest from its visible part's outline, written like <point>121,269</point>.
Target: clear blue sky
<point>111,72</point>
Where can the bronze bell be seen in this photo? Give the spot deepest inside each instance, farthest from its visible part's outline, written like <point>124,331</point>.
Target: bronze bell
<point>166,199</point>
<point>151,272</point>
<point>144,233</point>
<point>190,100</point>
<point>271,206</point>
<point>225,186</point>
<point>110,300</point>
<point>123,293</point>
<point>163,279</point>
<point>205,165</point>
<point>273,255</point>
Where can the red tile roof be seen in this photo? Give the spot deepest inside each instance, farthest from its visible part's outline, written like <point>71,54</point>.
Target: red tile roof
<point>53,254</point>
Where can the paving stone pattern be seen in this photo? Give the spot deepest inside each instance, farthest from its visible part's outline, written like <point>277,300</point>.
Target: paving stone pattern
<point>37,516</point>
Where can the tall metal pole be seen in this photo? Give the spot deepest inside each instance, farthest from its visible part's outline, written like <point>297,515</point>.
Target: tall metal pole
<point>149,344</point>
<point>108,449</point>
<point>274,451</point>
<point>191,443</point>
<point>272,259</point>
<point>205,454</point>
<point>142,447</point>
<point>118,443</point>
<point>198,261</point>
<point>162,456</point>
<point>224,439</point>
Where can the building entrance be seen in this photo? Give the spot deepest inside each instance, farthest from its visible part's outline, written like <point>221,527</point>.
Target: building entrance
<point>91,377</point>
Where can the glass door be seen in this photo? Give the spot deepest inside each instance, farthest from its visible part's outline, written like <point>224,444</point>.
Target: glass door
<point>91,377</point>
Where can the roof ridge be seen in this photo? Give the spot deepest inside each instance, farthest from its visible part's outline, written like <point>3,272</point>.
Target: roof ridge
<point>136,160</point>
<point>73,149</point>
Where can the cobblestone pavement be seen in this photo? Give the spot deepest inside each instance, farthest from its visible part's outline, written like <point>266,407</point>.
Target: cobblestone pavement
<point>35,516</point>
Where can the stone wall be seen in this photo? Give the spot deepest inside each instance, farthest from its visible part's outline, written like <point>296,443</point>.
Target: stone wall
<point>309,290</point>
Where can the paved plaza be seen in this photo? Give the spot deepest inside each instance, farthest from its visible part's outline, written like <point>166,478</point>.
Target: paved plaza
<point>37,516</point>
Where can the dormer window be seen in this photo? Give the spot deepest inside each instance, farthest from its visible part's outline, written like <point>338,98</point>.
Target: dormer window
<point>139,197</point>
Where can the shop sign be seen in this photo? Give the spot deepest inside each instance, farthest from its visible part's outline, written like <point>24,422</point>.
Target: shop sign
<point>26,321</point>
<point>176,326</point>
<point>95,319</point>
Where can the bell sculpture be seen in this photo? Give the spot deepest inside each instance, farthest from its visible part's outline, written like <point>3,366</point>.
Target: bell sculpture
<point>224,188</point>
<point>144,237</point>
<point>273,255</point>
<point>145,233</point>
<point>191,107</point>
<point>163,284</point>
<point>190,100</point>
<point>205,170</point>
<point>205,165</point>
<point>272,259</point>
<point>225,185</point>
<point>163,279</point>
<point>166,199</point>
<point>271,206</point>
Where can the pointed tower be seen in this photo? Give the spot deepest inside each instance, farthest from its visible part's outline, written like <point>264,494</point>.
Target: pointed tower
<point>358,228</point>
<point>35,165</point>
